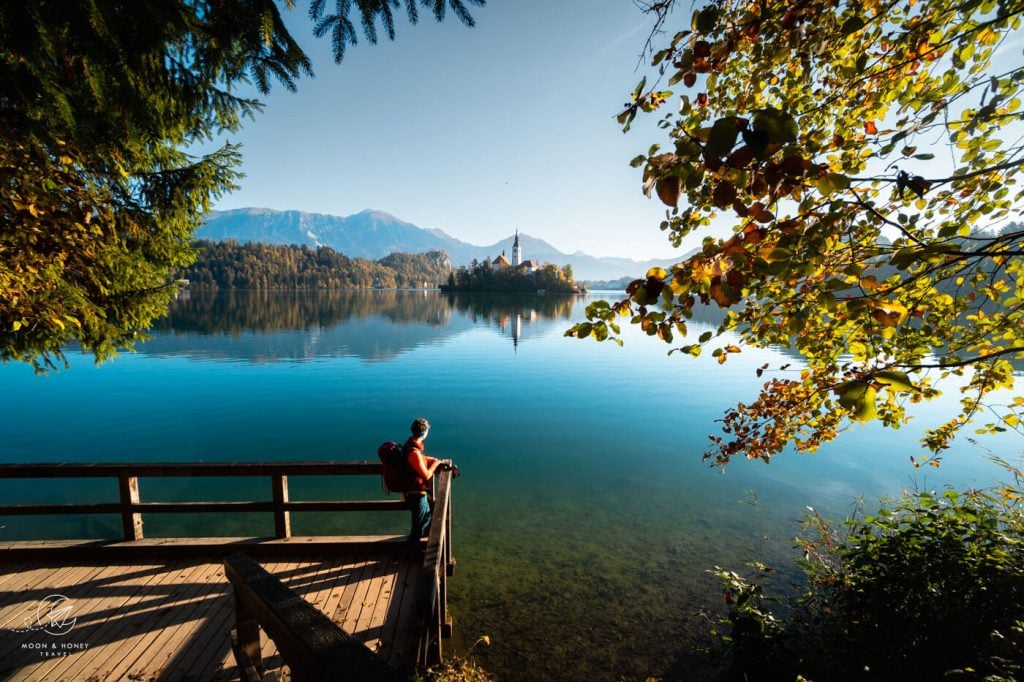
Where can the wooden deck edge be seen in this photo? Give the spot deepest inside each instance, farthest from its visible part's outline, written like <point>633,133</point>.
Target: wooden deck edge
<point>103,551</point>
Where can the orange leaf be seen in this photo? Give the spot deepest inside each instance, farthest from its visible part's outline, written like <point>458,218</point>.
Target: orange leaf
<point>668,190</point>
<point>870,128</point>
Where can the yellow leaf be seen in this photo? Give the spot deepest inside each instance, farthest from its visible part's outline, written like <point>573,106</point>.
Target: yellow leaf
<point>657,273</point>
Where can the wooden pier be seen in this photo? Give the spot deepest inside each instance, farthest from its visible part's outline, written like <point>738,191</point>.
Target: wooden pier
<point>163,608</point>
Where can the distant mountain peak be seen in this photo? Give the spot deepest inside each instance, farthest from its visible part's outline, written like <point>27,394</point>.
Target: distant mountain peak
<point>381,215</point>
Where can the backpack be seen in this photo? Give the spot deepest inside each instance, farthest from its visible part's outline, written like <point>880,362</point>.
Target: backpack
<point>396,476</point>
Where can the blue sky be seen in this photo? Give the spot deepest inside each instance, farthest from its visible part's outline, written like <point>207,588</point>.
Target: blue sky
<point>474,131</point>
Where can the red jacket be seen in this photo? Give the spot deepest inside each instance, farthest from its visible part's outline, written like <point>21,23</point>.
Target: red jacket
<point>413,451</point>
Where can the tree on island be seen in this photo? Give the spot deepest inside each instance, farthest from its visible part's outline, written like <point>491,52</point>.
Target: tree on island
<point>867,155</point>
<point>486,277</point>
<point>98,99</point>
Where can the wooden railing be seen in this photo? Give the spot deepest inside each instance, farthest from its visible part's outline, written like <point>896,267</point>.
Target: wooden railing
<point>438,564</point>
<point>131,507</point>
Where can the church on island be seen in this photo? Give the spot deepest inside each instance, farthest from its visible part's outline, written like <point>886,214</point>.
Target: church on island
<point>517,262</point>
<point>502,275</point>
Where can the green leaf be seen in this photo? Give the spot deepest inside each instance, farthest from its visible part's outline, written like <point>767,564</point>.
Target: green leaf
<point>852,25</point>
<point>898,381</point>
<point>706,20</point>
<point>780,127</point>
<point>639,89</point>
<point>722,137</point>
<point>851,393</point>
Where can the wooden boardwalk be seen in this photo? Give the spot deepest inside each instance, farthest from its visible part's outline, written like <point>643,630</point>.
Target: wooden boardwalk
<point>159,620</point>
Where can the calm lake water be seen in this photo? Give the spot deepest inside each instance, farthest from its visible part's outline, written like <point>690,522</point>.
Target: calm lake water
<point>585,520</point>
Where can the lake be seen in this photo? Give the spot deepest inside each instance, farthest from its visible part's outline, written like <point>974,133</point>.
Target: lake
<point>584,521</point>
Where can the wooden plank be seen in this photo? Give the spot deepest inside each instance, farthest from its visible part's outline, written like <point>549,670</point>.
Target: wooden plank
<point>103,551</point>
<point>386,635</point>
<point>378,617</point>
<point>406,630</point>
<point>345,575</point>
<point>187,469</point>
<point>71,582</point>
<point>115,620</point>
<point>313,646</point>
<point>210,663</point>
<point>8,573</point>
<point>341,615</point>
<point>375,588</point>
<point>188,634</point>
<point>37,584</point>
<point>203,507</point>
<point>144,657</point>
<point>151,612</point>
<point>104,609</point>
<point>316,579</point>
<point>141,619</point>
<point>88,603</point>
<point>207,647</point>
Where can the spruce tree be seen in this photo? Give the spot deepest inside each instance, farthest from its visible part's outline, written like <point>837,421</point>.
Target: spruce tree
<point>98,101</point>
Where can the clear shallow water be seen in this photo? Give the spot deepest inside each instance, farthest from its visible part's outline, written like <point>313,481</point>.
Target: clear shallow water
<point>585,519</point>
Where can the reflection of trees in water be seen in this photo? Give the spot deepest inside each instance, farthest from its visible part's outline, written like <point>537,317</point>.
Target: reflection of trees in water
<point>265,326</point>
<point>236,311</point>
<point>495,307</point>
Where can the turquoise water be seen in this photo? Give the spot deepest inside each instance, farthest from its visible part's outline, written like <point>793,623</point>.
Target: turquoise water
<point>585,519</point>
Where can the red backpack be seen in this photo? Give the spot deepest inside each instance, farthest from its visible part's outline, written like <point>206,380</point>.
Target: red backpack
<point>395,473</point>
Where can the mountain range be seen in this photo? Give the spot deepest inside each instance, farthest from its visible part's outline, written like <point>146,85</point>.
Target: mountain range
<point>375,234</point>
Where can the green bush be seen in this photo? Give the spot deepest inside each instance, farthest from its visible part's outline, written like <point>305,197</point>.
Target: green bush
<point>930,586</point>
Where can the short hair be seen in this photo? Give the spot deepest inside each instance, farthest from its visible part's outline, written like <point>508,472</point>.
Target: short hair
<point>419,427</point>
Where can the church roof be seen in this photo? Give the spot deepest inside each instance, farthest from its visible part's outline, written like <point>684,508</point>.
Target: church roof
<point>501,260</point>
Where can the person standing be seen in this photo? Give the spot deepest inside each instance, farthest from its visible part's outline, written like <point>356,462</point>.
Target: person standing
<point>423,468</point>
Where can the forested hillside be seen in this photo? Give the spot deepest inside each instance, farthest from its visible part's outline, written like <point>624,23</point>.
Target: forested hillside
<point>232,265</point>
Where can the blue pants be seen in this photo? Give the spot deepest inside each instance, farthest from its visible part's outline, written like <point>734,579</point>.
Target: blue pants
<point>419,506</point>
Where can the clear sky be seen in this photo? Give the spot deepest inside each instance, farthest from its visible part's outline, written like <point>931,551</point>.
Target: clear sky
<point>474,131</point>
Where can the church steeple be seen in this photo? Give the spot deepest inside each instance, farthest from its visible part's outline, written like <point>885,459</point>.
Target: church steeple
<point>517,251</point>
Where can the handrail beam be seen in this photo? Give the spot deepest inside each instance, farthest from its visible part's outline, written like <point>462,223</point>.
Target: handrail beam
<point>185,469</point>
<point>312,645</point>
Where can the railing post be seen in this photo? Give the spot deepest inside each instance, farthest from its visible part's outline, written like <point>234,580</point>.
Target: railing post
<point>131,522</point>
<point>447,569</point>
<point>449,561</point>
<point>282,518</point>
<point>245,639</point>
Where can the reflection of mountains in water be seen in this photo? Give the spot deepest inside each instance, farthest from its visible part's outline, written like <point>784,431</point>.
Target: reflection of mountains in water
<point>267,326</point>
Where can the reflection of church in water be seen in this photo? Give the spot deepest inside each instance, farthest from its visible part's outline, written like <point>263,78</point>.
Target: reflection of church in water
<point>512,324</point>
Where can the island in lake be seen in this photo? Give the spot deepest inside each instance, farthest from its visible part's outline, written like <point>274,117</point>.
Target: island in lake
<point>516,276</point>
